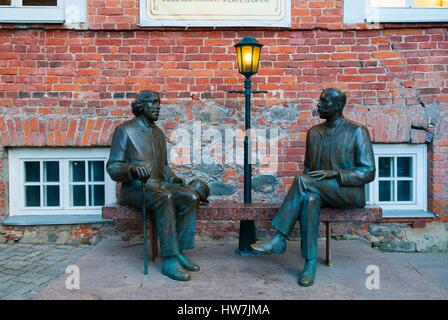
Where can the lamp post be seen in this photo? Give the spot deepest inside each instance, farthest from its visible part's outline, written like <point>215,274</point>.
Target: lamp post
<point>248,52</point>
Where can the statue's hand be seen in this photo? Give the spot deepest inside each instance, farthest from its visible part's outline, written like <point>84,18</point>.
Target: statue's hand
<point>141,173</point>
<point>323,174</point>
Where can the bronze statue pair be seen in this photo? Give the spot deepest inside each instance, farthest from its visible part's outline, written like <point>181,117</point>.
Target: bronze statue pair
<point>339,161</point>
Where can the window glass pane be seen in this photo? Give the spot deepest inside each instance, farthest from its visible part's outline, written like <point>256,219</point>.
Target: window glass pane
<point>404,167</point>
<point>96,170</point>
<point>404,191</point>
<point>77,171</point>
<point>32,196</point>
<point>386,166</point>
<point>388,3</point>
<point>96,195</point>
<point>5,2</point>
<point>32,171</point>
<point>51,196</point>
<point>385,191</point>
<point>51,171</point>
<point>367,191</point>
<point>40,3</point>
<point>78,196</point>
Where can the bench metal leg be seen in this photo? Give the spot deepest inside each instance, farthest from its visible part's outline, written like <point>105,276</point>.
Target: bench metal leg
<point>328,242</point>
<point>145,235</point>
<point>154,241</point>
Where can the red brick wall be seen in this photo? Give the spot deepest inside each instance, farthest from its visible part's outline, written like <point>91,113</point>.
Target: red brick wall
<point>123,14</point>
<point>63,87</point>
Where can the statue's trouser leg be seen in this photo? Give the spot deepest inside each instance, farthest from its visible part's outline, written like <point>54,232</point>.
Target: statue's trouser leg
<point>304,200</point>
<point>309,225</point>
<point>304,205</point>
<point>287,215</point>
<point>160,202</point>
<point>186,202</point>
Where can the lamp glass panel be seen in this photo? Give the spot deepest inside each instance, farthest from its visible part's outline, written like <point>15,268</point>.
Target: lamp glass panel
<point>256,59</point>
<point>239,59</point>
<point>247,58</point>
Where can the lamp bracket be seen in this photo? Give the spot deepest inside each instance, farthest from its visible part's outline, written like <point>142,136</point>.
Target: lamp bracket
<point>242,91</point>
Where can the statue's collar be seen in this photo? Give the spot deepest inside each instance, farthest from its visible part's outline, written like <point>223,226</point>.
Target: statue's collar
<point>334,124</point>
<point>145,123</point>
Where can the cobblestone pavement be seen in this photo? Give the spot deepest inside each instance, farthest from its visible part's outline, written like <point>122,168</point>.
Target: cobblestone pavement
<point>25,269</point>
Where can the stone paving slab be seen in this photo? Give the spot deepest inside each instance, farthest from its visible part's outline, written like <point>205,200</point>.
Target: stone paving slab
<point>25,269</point>
<point>114,270</point>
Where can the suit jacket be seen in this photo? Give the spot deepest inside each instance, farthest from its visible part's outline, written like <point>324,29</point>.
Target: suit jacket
<point>136,142</point>
<point>351,152</point>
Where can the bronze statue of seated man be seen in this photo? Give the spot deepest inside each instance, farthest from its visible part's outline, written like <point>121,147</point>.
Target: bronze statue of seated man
<point>339,161</point>
<point>139,153</point>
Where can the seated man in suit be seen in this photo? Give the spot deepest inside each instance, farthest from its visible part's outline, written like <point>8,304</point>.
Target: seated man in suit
<point>339,161</point>
<point>138,153</point>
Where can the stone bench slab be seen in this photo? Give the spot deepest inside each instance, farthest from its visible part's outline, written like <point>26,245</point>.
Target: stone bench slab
<point>232,211</point>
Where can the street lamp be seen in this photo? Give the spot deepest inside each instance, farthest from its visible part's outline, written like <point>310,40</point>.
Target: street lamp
<point>248,52</point>
<point>248,56</point>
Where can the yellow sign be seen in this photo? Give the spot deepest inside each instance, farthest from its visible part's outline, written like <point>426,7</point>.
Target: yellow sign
<point>217,12</point>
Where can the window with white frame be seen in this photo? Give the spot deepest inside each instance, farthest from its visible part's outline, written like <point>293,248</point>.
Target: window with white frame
<point>32,11</point>
<point>377,11</point>
<point>59,181</point>
<point>400,180</point>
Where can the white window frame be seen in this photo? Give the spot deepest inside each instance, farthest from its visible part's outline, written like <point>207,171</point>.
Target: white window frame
<point>359,11</point>
<point>419,153</point>
<point>16,13</point>
<point>17,156</point>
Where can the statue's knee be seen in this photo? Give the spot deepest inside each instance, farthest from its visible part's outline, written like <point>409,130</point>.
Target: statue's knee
<point>166,196</point>
<point>312,199</point>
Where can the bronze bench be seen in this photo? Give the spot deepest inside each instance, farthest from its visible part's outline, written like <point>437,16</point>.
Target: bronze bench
<point>231,211</point>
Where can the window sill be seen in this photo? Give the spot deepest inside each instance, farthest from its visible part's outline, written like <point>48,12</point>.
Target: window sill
<point>401,15</point>
<point>32,15</point>
<point>400,214</point>
<point>45,220</point>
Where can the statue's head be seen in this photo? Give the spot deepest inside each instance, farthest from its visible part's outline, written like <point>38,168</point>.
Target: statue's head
<point>331,103</point>
<point>147,103</point>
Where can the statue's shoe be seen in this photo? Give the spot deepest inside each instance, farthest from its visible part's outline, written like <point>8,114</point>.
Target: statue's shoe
<point>307,276</point>
<point>276,245</point>
<point>172,269</point>
<point>187,264</point>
